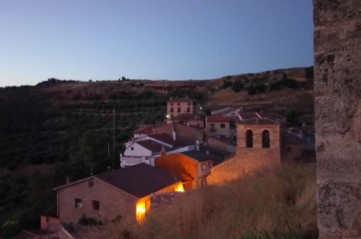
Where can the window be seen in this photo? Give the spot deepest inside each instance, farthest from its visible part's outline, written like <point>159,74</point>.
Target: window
<point>78,203</point>
<point>188,109</point>
<point>91,183</point>
<point>95,205</point>
<point>212,128</point>
<point>178,103</point>
<point>132,148</point>
<point>223,125</point>
<point>171,110</point>
<point>178,110</point>
<point>265,139</point>
<point>249,139</point>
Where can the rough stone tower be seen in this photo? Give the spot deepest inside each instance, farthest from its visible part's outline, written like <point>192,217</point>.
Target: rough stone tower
<point>258,143</point>
<point>337,49</point>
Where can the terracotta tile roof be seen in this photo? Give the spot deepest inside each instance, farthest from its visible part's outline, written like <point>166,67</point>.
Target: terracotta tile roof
<point>152,145</point>
<point>144,130</point>
<point>217,118</point>
<point>187,117</point>
<point>139,180</point>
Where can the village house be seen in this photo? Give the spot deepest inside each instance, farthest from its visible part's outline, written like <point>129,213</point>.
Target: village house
<point>182,133</point>
<point>146,148</point>
<point>123,194</point>
<point>228,111</point>
<point>219,126</point>
<point>193,120</point>
<point>192,167</point>
<point>177,107</point>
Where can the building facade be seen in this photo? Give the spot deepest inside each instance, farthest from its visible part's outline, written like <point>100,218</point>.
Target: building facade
<point>119,194</point>
<point>177,107</point>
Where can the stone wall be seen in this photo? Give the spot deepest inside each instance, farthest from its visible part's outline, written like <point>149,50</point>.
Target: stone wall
<point>246,159</point>
<point>113,202</point>
<point>337,54</point>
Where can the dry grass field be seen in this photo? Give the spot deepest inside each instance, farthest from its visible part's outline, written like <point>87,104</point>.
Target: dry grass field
<point>272,203</point>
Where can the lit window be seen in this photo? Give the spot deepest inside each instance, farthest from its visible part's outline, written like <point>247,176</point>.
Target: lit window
<point>140,211</point>
<point>78,203</point>
<point>95,204</point>
<point>179,188</point>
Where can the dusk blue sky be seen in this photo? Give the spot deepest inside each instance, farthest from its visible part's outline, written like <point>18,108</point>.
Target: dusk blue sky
<point>150,39</point>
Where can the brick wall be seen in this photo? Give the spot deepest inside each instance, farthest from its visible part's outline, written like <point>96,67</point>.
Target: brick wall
<point>337,52</point>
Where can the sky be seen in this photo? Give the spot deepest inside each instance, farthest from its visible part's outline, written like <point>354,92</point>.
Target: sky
<point>150,39</point>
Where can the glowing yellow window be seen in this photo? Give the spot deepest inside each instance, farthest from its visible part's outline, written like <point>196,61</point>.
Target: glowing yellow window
<point>140,211</point>
<point>179,188</point>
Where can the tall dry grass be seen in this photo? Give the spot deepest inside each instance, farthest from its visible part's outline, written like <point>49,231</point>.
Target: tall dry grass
<point>272,203</point>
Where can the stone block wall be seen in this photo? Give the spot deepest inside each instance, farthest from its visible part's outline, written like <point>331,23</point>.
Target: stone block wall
<point>113,202</point>
<point>337,54</point>
<point>246,159</point>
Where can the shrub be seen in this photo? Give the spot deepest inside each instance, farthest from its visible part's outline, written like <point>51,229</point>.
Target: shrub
<point>237,86</point>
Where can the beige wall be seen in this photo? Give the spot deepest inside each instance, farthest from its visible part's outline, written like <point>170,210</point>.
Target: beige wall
<point>184,107</point>
<point>218,130</point>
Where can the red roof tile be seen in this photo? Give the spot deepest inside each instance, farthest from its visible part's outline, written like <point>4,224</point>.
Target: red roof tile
<point>217,118</point>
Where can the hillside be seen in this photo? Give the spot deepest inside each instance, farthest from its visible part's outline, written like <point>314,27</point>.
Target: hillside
<point>64,128</point>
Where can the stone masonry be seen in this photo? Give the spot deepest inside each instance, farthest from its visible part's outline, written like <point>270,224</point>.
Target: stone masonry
<point>250,159</point>
<point>337,54</point>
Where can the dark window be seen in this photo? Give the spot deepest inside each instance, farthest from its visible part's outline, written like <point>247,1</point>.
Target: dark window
<point>95,204</point>
<point>91,183</point>
<point>171,104</point>
<point>188,109</point>
<point>178,109</point>
<point>78,203</point>
<point>171,110</point>
<point>178,103</point>
<point>265,139</point>
<point>249,139</point>
<point>223,125</point>
<point>132,148</point>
